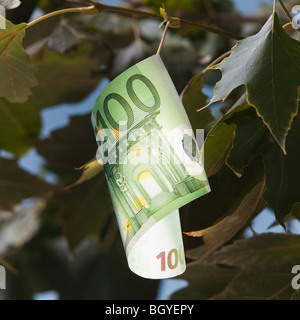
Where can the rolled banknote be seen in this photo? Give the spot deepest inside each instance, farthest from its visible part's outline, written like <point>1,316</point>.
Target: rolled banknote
<point>152,164</point>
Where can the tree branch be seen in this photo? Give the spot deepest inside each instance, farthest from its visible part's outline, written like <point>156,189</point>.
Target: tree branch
<point>182,22</point>
<point>86,10</point>
<point>174,22</point>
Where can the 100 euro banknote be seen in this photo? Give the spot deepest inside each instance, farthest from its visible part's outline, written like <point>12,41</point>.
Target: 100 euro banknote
<point>152,164</point>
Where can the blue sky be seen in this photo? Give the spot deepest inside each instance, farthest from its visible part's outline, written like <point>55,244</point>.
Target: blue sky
<point>247,7</point>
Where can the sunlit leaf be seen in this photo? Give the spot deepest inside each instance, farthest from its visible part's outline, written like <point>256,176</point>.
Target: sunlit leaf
<point>89,171</point>
<point>20,126</point>
<point>67,77</point>
<point>15,64</point>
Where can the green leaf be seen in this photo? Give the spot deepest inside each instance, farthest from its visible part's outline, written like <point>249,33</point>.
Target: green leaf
<point>218,142</point>
<point>229,196</point>
<point>283,176</point>
<point>62,78</point>
<point>249,136</point>
<point>205,281</point>
<point>17,71</point>
<point>67,77</point>
<point>20,126</point>
<point>85,209</point>
<point>251,139</point>
<point>16,184</point>
<point>268,64</point>
<point>193,98</point>
<point>217,145</point>
<point>263,275</point>
<point>95,272</point>
<point>236,218</point>
<point>262,271</point>
<point>69,148</point>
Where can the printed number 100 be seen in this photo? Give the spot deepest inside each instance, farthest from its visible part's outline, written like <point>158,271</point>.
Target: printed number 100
<point>170,259</point>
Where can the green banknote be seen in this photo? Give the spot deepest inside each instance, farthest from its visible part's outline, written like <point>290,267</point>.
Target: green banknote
<point>152,164</point>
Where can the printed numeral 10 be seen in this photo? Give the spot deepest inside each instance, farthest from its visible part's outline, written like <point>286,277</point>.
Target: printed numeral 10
<point>169,259</point>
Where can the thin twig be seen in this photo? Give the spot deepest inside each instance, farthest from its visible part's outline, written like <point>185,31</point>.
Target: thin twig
<point>203,27</point>
<point>8,266</point>
<point>86,10</point>
<point>163,37</point>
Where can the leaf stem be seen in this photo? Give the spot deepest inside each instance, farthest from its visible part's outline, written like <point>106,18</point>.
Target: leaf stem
<point>86,10</point>
<point>274,6</point>
<point>287,26</point>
